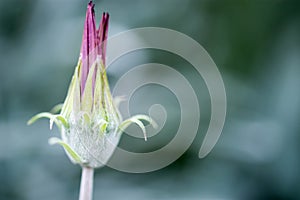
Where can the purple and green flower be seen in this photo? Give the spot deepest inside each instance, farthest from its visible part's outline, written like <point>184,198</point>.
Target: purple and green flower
<point>89,120</point>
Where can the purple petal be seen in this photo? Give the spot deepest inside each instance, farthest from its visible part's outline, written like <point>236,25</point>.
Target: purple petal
<point>102,36</point>
<point>89,43</point>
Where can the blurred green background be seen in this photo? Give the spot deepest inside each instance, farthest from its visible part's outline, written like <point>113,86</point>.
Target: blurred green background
<point>256,46</point>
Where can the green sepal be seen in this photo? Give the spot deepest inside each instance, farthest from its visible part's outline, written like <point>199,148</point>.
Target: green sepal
<point>98,94</point>
<point>137,120</point>
<point>86,118</point>
<point>57,108</point>
<point>76,92</point>
<point>70,151</point>
<point>107,97</point>
<point>87,98</point>
<point>67,107</point>
<point>58,119</point>
<point>103,124</point>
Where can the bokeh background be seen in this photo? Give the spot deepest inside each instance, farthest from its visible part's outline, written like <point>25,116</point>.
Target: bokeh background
<point>256,46</point>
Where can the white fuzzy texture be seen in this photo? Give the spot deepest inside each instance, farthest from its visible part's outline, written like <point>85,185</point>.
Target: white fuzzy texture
<point>86,138</point>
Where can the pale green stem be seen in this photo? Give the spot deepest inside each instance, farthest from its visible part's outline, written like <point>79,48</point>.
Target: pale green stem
<point>86,185</point>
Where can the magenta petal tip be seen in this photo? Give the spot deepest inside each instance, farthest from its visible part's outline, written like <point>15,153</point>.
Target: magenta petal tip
<point>93,42</point>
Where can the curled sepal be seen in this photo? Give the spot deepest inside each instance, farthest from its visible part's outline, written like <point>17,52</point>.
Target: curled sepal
<point>57,119</point>
<point>68,149</point>
<point>137,119</point>
<point>57,108</point>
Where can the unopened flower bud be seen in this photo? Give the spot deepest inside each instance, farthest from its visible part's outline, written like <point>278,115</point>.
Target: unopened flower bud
<point>89,120</point>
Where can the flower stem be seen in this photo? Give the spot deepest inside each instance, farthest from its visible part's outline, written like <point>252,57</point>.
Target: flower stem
<point>86,185</point>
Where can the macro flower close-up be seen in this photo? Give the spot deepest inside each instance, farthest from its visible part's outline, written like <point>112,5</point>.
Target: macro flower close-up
<point>89,120</point>
<point>168,99</point>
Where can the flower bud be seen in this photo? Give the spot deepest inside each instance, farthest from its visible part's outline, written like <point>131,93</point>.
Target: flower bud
<point>89,120</point>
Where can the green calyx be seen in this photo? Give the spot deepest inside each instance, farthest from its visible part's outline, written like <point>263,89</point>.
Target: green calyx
<point>90,123</point>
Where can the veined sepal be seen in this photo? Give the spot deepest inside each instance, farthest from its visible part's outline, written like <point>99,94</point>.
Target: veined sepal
<point>137,119</point>
<point>88,96</point>
<point>71,102</point>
